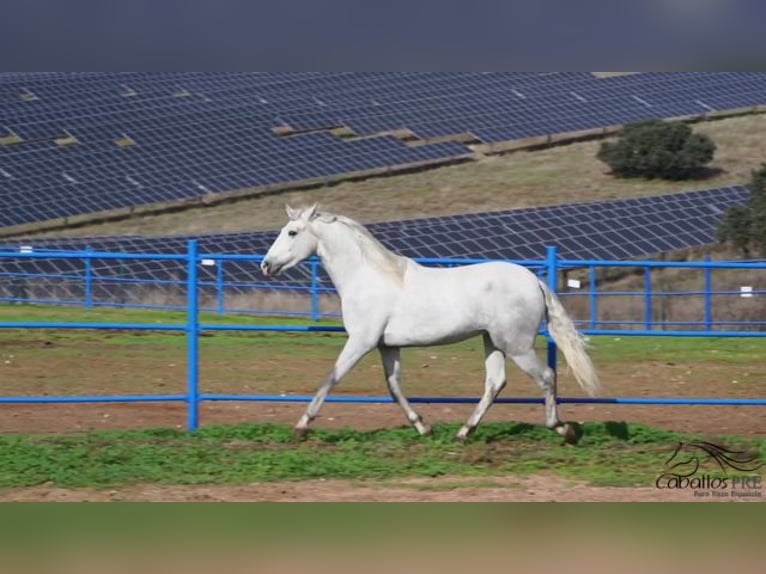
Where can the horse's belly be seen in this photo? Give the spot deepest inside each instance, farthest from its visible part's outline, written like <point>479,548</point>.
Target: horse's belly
<point>425,338</point>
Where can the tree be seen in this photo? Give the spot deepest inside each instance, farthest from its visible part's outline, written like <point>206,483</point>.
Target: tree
<point>658,149</point>
<point>744,226</point>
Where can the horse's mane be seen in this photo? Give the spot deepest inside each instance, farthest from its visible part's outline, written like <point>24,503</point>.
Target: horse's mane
<point>372,249</point>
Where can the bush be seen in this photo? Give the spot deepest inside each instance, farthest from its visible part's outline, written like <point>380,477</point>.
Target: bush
<point>658,149</point>
<point>744,226</point>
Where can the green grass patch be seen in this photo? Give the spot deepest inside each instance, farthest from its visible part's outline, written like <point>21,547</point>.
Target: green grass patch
<point>610,453</point>
<point>677,350</point>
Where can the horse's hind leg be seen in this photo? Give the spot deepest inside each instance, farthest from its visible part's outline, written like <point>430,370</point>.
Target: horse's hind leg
<point>494,361</point>
<point>545,377</point>
<point>392,366</point>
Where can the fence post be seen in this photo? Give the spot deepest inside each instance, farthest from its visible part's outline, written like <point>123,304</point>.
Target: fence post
<point>192,337</point>
<point>315,290</point>
<point>708,295</point>
<point>593,298</point>
<point>648,311</point>
<point>553,286</point>
<point>219,290</point>
<point>88,279</point>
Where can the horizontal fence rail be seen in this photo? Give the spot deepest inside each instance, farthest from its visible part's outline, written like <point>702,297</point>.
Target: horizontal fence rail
<point>231,283</point>
<point>190,283</point>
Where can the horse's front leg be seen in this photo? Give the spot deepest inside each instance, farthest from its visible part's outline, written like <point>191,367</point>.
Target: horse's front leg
<point>351,354</point>
<point>392,367</point>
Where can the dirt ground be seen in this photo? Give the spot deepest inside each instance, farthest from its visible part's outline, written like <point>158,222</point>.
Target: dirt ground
<point>541,488</point>
<point>92,365</point>
<point>708,420</point>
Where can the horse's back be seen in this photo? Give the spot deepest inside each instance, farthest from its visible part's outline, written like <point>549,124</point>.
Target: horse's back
<point>481,278</point>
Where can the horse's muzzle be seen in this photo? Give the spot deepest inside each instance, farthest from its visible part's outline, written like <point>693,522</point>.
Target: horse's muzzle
<point>269,269</point>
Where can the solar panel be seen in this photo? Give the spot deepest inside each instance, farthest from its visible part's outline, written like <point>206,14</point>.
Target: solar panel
<point>491,235</point>
<point>202,132</point>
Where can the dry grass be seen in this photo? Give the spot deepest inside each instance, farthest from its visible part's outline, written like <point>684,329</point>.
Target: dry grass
<point>675,310</point>
<point>684,307</point>
<point>524,179</point>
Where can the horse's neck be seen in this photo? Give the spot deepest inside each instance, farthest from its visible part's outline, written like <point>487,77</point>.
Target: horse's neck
<point>340,253</point>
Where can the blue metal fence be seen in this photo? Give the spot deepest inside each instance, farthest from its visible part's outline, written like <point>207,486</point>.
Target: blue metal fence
<point>71,278</point>
<point>191,261</point>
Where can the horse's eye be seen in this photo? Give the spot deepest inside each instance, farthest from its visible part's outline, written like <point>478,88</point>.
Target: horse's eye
<point>292,233</point>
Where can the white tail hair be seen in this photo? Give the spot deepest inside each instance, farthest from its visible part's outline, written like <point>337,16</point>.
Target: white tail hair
<point>571,343</point>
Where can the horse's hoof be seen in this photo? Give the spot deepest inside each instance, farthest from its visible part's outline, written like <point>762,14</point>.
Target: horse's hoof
<point>461,437</point>
<point>570,432</point>
<point>300,433</point>
<point>424,429</point>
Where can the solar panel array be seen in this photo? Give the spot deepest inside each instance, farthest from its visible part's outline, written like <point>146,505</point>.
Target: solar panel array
<point>621,229</point>
<point>200,133</point>
<point>501,106</point>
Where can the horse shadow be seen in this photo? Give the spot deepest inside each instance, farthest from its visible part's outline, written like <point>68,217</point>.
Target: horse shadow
<point>497,432</point>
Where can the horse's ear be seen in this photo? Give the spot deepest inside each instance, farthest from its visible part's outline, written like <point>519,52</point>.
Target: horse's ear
<point>293,214</point>
<point>311,212</point>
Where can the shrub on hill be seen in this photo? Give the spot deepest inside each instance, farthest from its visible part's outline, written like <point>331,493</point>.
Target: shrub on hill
<point>744,226</point>
<point>658,149</point>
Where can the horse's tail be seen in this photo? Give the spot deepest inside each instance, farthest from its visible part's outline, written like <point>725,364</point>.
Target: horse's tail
<point>571,342</point>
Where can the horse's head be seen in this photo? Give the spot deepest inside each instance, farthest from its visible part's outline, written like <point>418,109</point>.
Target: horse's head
<point>293,244</point>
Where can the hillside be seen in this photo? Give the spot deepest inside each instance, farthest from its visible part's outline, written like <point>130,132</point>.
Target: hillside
<point>556,175</point>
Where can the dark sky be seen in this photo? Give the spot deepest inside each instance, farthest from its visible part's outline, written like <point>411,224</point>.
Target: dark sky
<point>292,35</point>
